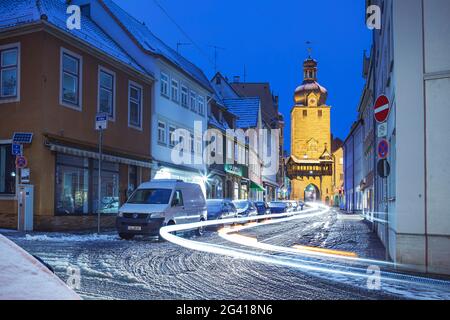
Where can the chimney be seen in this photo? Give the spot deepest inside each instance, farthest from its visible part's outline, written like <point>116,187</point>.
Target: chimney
<point>237,79</point>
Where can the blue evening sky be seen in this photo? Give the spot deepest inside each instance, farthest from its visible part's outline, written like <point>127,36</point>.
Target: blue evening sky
<point>268,38</point>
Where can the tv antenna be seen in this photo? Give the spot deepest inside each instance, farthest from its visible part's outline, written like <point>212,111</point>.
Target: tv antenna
<point>216,55</point>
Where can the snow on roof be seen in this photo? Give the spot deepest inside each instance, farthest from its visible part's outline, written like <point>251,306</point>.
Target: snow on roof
<point>247,110</point>
<point>22,277</point>
<point>16,13</point>
<point>149,42</point>
<point>214,122</point>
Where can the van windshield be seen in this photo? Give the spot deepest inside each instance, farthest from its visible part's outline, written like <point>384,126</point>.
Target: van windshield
<point>150,196</point>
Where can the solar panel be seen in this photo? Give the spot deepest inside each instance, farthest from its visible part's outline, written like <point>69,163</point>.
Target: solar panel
<point>22,137</point>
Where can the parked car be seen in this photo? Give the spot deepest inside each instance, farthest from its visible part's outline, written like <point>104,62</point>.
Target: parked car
<point>220,209</point>
<point>245,208</point>
<point>301,204</point>
<point>280,207</point>
<point>294,205</point>
<point>159,203</point>
<point>262,208</point>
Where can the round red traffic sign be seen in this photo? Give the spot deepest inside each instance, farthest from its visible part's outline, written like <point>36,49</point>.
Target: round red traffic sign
<point>21,162</point>
<point>382,109</point>
<point>383,149</point>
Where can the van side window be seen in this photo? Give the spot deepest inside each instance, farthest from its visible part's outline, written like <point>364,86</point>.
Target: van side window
<point>177,199</point>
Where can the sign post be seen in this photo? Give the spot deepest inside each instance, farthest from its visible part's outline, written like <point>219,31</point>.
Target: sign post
<point>381,112</point>
<point>101,123</point>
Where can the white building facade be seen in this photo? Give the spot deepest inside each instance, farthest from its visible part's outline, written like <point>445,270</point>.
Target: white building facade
<point>412,67</point>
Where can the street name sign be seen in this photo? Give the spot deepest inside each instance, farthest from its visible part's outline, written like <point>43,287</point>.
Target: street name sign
<point>101,121</point>
<point>383,149</point>
<point>382,109</point>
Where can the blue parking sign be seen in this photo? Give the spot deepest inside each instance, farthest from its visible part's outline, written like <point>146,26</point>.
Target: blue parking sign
<point>16,149</point>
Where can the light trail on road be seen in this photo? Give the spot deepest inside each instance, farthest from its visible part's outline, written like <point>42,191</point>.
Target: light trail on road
<point>307,260</point>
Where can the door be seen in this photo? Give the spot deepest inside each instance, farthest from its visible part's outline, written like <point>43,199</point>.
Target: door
<point>177,209</point>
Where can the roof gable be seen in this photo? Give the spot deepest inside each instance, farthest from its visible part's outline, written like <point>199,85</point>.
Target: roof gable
<point>16,13</point>
<point>247,110</point>
<point>152,44</point>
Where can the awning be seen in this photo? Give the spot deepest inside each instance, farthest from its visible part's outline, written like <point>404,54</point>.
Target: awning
<point>257,187</point>
<point>94,155</point>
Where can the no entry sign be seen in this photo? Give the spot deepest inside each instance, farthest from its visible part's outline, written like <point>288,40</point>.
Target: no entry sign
<point>382,109</point>
<point>383,149</point>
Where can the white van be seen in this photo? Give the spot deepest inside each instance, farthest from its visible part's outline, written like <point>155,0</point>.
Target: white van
<point>159,203</point>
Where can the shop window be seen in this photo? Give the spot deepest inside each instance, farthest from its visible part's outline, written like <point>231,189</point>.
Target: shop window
<point>76,191</point>
<point>110,188</point>
<point>132,180</point>
<point>7,171</point>
<point>72,185</point>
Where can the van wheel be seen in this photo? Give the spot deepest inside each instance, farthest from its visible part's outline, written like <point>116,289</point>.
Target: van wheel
<point>200,231</point>
<point>126,236</point>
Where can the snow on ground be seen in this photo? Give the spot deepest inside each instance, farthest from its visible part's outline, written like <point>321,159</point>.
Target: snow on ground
<point>72,238</point>
<point>22,277</point>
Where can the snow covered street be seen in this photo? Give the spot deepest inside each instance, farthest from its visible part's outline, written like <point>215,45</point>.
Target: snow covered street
<point>319,257</point>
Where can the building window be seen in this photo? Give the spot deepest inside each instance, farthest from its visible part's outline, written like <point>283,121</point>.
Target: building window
<point>184,96</point>
<point>106,92</point>
<point>305,113</point>
<point>161,132</point>
<point>201,105</point>
<point>193,101</point>
<point>172,136</point>
<point>319,113</point>
<point>76,191</point>
<point>175,91</point>
<point>71,75</point>
<point>135,105</point>
<point>9,71</point>
<point>7,171</point>
<point>164,84</point>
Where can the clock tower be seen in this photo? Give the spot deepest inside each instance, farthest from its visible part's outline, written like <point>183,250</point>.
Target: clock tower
<point>310,166</point>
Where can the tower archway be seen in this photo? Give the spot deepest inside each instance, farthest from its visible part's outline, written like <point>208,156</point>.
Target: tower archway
<point>312,193</point>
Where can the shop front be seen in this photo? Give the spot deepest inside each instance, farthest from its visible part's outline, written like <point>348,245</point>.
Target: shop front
<point>169,171</point>
<point>65,183</point>
<point>236,182</point>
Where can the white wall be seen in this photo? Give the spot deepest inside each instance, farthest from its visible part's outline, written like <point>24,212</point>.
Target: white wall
<point>437,92</point>
<point>174,113</point>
